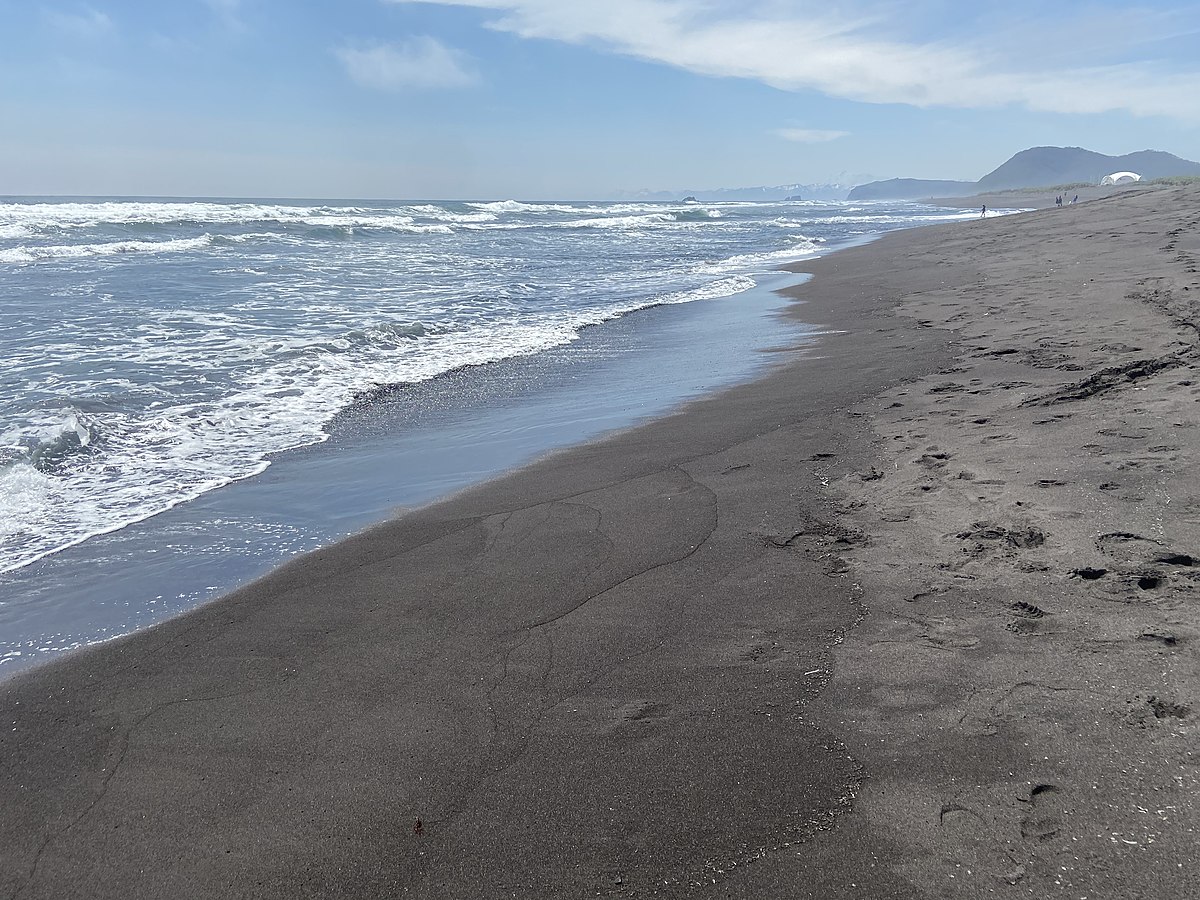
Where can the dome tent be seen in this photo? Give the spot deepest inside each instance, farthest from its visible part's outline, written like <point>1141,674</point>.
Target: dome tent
<point>1121,178</point>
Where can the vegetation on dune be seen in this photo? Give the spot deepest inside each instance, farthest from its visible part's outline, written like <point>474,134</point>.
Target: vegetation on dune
<point>1177,180</point>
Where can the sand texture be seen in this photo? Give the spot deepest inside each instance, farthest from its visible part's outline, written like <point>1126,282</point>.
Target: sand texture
<point>913,616</point>
<point>1039,198</point>
<point>1023,692</point>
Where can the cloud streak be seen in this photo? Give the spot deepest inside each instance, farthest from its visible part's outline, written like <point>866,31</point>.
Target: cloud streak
<point>795,45</point>
<point>418,63</point>
<point>229,13</point>
<point>809,135</point>
<point>88,23</point>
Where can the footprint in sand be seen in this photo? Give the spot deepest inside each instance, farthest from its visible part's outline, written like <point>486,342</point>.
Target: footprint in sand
<point>933,460</point>
<point>640,711</point>
<point>1028,618</point>
<point>1045,817</point>
<point>1168,709</point>
<point>1150,581</point>
<point>1154,637</point>
<point>1023,538</point>
<point>1028,610</point>
<point>762,652</point>
<point>1128,547</point>
<point>1148,712</point>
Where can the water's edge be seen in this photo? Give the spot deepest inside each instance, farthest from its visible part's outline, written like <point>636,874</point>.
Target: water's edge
<point>401,449</point>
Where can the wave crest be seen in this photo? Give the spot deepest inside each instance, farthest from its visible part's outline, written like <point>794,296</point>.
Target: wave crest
<point>53,450</point>
<point>35,254</point>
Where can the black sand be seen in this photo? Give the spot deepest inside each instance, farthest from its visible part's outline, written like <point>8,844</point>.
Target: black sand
<point>621,671</point>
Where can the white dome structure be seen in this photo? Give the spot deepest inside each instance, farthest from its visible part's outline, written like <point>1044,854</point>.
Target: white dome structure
<point>1121,178</point>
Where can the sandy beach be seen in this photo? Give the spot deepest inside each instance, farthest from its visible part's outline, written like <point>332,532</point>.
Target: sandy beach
<point>1040,198</point>
<point>909,617</point>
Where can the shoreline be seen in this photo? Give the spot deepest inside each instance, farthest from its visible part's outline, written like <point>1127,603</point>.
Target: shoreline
<point>405,449</point>
<point>634,633</point>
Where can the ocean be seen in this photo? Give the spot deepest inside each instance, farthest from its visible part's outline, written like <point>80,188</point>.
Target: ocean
<point>186,383</point>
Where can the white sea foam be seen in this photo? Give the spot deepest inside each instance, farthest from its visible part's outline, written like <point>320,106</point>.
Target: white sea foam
<point>438,212</point>
<point>175,452</point>
<point>142,212</point>
<point>803,248</point>
<point>18,220</point>
<point>725,287</point>
<point>291,311</point>
<point>893,219</point>
<point>643,221</point>
<point>31,217</point>
<point>34,253</point>
<point>516,206</point>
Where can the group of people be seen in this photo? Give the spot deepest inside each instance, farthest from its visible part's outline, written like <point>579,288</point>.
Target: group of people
<point>1059,201</point>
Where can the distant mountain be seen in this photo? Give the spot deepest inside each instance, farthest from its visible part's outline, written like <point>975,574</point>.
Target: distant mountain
<point>1036,167</point>
<point>778,192</point>
<point>834,190</point>
<point>912,189</point>
<point>1040,166</point>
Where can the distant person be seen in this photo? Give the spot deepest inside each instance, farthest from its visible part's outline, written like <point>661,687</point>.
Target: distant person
<point>1075,199</point>
<point>983,212</point>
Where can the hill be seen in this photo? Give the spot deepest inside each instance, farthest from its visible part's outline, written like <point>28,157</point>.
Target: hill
<point>1063,165</point>
<point>823,191</point>
<point>911,189</point>
<point>1035,167</point>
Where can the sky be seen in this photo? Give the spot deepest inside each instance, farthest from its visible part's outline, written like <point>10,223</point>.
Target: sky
<point>573,99</point>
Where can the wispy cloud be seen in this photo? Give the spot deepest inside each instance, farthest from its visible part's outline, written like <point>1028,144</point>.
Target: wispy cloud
<point>84,22</point>
<point>229,13</point>
<point>420,62</point>
<point>809,135</point>
<point>798,45</point>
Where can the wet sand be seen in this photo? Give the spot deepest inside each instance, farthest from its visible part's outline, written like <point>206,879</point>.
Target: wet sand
<point>400,450</point>
<point>911,616</point>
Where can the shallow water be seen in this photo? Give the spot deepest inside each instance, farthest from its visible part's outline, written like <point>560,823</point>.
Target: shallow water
<point>158,350</point>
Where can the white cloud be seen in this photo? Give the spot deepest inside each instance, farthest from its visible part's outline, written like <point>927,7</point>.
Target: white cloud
<point>229,12</point>
<point>799,45</point>
<point>421,62</point>
<point>85,23</point>
<point>809,135</point>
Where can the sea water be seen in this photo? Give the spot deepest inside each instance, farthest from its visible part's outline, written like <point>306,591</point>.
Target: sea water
<point>155,351</point>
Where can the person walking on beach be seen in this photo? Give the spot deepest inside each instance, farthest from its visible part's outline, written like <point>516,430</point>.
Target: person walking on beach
<point>983,213</point>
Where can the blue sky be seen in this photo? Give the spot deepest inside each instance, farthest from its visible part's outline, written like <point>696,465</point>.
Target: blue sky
<point>572,98</point>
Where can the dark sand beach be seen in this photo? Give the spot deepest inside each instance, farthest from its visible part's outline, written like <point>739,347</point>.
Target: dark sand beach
<point>911,616</point>
<point>1038,198</point>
